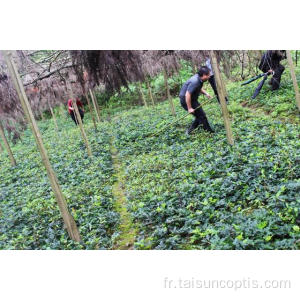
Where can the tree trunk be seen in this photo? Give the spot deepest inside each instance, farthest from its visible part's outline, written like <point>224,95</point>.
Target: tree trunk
<point>142,94</point>
<point>227,69</point>
<point>79,121</point>
<point>294,78</point>
<point>6,145</point>
<point>168,93</point>
<point>96,106</point>
<point>61,201</point>
<point>222,93</point>
<point>243,64</point>
<point>91,110</point>
<point>150,92</point>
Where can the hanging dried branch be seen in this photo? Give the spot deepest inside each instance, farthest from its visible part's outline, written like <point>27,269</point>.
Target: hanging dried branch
<point>113,68</point>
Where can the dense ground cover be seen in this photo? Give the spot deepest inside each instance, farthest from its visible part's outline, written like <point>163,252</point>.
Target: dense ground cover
<point>29,216</point>
<point>181,192</point>
<point>199,193</point>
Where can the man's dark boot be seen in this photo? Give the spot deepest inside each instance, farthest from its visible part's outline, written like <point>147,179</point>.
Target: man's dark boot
<point>194,125</point>
<point>190,130</point>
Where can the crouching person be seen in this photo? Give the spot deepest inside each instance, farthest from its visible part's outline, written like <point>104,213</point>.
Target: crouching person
<point>72,110</point>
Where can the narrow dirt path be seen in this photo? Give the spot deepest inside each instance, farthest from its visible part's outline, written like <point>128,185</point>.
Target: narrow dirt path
<point>126,239</point>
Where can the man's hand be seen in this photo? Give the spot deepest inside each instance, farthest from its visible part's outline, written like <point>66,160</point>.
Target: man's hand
<point>208,96</point>
<point>270,71</point>
<point>191,110</point>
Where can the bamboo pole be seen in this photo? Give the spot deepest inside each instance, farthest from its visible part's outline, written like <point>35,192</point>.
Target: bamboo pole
<point>91,110</point>
<point>6,145</point>
<point>53,116</point>
<point>79,121</point>
<point>150,92</point>
<point>61,201</point>
<point>142,94</point>
<point>222,92</point>
<point>96,106</point>
<point>294,78</point>
<point>168,93</point>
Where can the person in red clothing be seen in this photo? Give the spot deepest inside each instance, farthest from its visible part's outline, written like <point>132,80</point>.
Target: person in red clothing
<point>72,110</point>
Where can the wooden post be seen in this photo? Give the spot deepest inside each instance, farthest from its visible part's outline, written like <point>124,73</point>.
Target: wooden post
<point>53,116</point>
<point>150,91</point>
<point>293,75</point>
<point>142,94</point>
<point>168,93</point>
<point>222,92</point>
<point>6,145</point>
<point>96,106</point>
<point>61,201</point>
<point>79,121</point>
<point>91,110</point>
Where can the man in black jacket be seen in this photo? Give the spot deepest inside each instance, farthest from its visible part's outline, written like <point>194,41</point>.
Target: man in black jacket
<point>270,62</point>
<point>189,94</point>
<point>212,81</point>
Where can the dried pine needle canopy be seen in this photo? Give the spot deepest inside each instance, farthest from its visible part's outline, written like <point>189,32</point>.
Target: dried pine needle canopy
<point>113,68</point>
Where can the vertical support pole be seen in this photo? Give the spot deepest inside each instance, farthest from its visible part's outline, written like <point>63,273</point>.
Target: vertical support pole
<point>222,92</point>
<point>150,91</point>
<point>79,121</point>
<point>53,116</point>
<point>294,78</point>
<point>61,201</point>
<point>142,94</point>
<point>6,145</point>
<point>168,93</point>
<point>96,106</point>
<point>91,110</point>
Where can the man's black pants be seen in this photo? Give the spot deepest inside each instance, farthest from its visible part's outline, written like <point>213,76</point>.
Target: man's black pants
<point>275,80</point>
<point>199,114</point>
<point>74,117</point>
<point>212,83</point>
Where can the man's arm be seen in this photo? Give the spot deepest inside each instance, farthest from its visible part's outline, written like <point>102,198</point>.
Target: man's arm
<point>205,93</point>
<point>188,100</point>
